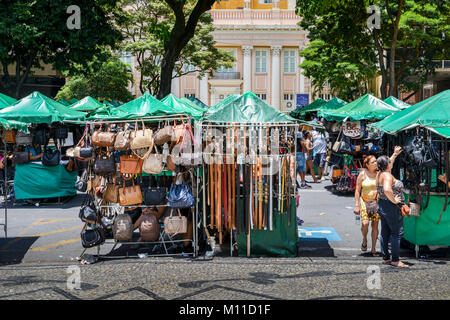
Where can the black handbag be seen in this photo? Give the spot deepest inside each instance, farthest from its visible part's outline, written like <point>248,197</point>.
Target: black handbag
<point>81,164</point>
<point>92,237</point>
<point>81,186</point>
<point>40,136</point>
<point>154,196</point>
<point>21,157</point>
<point>51,157</point>
<point>104,165</point>
<point>88,211</point>
<point>61,133</point>
<point>86,153</point>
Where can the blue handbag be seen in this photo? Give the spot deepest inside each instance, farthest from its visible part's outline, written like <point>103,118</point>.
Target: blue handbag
<point>180,196</point>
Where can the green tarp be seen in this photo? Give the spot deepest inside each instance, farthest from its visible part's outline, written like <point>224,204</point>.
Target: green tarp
<point>281,242</point>
<point>34,181</point>
<point>37,108</point>
<point>442,131</point>
<point>6,101</point>
<point>333,104</point>
<point>144,106</point>
<point>432,112</point>
<point>392,101</point>
<point>367,107</point>
<point>300,113</point>
<point>248,108</point>
<point>193,105</point>
<point>11,124</point>
<point>86,104</point>
<point>182,107</point>
<point>106,112</point>
<point>222,103</point>
<point>198,102</point>
<point>425,230</point>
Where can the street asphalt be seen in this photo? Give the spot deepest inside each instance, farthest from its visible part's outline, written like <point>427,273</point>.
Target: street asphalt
<point>43,242</point>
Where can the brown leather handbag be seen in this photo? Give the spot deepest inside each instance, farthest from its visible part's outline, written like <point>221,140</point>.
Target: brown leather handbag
<point>10,136</point>
<point>130,164</point>
<point>122,141</point>
<point>175,225</point>
<point>153,164</point>
<point>164,135</point>
<point>111,193</point>
<point>170,164</point>
<point>130,196</point>
<point>103,138</point>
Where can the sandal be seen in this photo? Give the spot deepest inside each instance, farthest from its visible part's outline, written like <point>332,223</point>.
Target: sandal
<point>363,247</point>
<point>386,262</point>
<point>400,265</point>
<point>375,254</point>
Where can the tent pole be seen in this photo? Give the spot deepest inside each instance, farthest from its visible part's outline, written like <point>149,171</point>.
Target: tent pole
<point>5,226</point>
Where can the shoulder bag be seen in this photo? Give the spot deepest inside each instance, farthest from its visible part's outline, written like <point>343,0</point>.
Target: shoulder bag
<point>103,139</point>
<point>88,211</point>
<point>175,225</point>
<point>104,165</point>
<point>337,144</point>
<point>92,237</point>
<point>111,193</point>
<point>141,138</point>
<point>130,164</point>
<point>153,164</point>
<point>154,196</point>
<point>130,196</point>
<point>21,157</point>
<point>51,157</point>
<point>180,196</point>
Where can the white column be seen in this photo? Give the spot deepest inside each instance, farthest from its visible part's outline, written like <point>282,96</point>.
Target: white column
<point>213,96</point>
<point>276,77</point>
<point>247,67</point>
<point>204,94</point>
<point>291,4</point>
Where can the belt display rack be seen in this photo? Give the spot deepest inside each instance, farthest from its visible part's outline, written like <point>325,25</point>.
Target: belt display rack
<point>249,170</point>
<point>165,240</point>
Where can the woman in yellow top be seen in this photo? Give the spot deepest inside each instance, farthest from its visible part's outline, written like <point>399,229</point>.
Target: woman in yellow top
<point>365,196</point>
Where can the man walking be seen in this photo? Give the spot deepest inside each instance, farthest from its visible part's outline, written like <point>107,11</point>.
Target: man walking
<point>320,153</point>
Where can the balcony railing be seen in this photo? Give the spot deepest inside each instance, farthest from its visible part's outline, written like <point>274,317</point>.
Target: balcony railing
<point>442,64</point>
<point>227,75</point>
<point>253,15</point>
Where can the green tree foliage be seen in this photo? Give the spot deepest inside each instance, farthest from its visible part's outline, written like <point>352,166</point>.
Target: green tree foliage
<point>413,32</point>
<point>34,33</point>
<point>148,26</point>
<point>109,82</point>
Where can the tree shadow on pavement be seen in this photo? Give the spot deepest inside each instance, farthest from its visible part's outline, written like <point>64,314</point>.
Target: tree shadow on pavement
<point>13,250</point>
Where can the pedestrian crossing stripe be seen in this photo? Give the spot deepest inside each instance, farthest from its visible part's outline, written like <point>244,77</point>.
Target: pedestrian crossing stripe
<point>318,234</point>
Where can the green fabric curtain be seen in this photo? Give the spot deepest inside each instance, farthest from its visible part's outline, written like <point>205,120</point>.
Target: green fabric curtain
<point>86,104</point>
<point>6,101</point>
<point>300,113</point>
<point>367,107</point>
<point>432,112</point>
<point>248,108</point>
<point>37,108</point>
<point>34,181</point>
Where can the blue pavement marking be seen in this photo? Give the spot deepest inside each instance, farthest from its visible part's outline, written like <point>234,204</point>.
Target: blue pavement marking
<point>318,234</point>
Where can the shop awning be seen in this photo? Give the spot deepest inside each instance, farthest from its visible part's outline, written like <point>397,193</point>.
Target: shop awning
<point>312,107</point>
<point>144,106</point>
<point>367,107</point>
<point>432,112</point>
<point>37,108</point>
<point>6,101</point>
<point>86,104</point>
<point>197,102</point>
<point>222,103</point>
<point>392,101</point>
<point>11,124</point>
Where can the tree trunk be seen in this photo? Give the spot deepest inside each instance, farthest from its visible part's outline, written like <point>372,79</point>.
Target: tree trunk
<point>384,75</point>
<point>392,78</point>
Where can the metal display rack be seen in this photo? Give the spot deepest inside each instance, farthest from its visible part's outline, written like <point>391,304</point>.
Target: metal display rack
<point>164,238</point>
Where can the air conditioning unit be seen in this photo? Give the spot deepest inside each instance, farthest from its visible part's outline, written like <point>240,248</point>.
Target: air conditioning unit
<point>288,106</point>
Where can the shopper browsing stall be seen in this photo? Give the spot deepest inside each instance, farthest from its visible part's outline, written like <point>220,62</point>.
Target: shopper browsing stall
<point>320,153</point>
<point>309,154</point>
<point>301,160</point>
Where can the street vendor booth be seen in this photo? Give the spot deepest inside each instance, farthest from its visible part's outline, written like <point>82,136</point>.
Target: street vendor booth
<point>48,177</point>
<point>353,138</point>
<point>87,104</point>
<point>314,106</point>
<point>249,174</point>
<point>6,101</point>
<point>423,130</point>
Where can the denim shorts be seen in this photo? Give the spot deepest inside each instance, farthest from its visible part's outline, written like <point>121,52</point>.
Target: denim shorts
<point>320,159</point>
<point>301,161</point>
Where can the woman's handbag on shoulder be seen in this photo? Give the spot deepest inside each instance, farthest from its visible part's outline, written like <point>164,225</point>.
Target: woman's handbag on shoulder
<point>175,224</point>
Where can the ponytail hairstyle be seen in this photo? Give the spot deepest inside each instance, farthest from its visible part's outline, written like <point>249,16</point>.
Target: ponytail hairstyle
<point>383,163</point>
<point>368,158</point>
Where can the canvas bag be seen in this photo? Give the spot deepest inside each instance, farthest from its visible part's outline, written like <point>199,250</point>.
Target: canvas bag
<point>153,164</point>
<point>141,138</point>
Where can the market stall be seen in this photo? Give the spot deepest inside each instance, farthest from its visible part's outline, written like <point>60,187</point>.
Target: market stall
<point>423,130</point>
<point>314,106</point>
<point>6,101</point>
<point>249,177</point>
<point>49,137</point>
<point>352,139</point>
<point>87,104</point>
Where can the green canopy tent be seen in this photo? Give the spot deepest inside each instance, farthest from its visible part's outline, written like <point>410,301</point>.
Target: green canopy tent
<point>144,106</point>
<point>220,104</point>
<point>192,104</point>
<point>392,101</point>
<point>434,111</point>
<point>367,107</point>
<point>248,108</point>
<point>333,104</point>
<point>87,104</point>
<point>64,102</point>
<point>181,107</point>
<point>197,102</point>
<point>12,124</point>
<point>442,131</point>
<point>300,113</point>
<point>37,108</point>
<point>6,101</point>
<point>106,112</point>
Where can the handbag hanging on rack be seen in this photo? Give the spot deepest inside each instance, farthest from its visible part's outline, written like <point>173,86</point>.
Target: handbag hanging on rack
<point>153,164</point>
<point>130,196</point>
<point>111,193</point>
<point>103,138</point>
<point>51,157</point>
<point>164,135</point>
<point>92,237</point>
<point>154,196</point>
<point>88,211</point>
<point>104,165</point>
<point>141,138</point>
<point>21,157</point>
<point>24,139</point>
<point>130,164</point>
<point>122,141</point>
<point>175,224</point>
<point>178,133</point>
<point>180,196</point>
